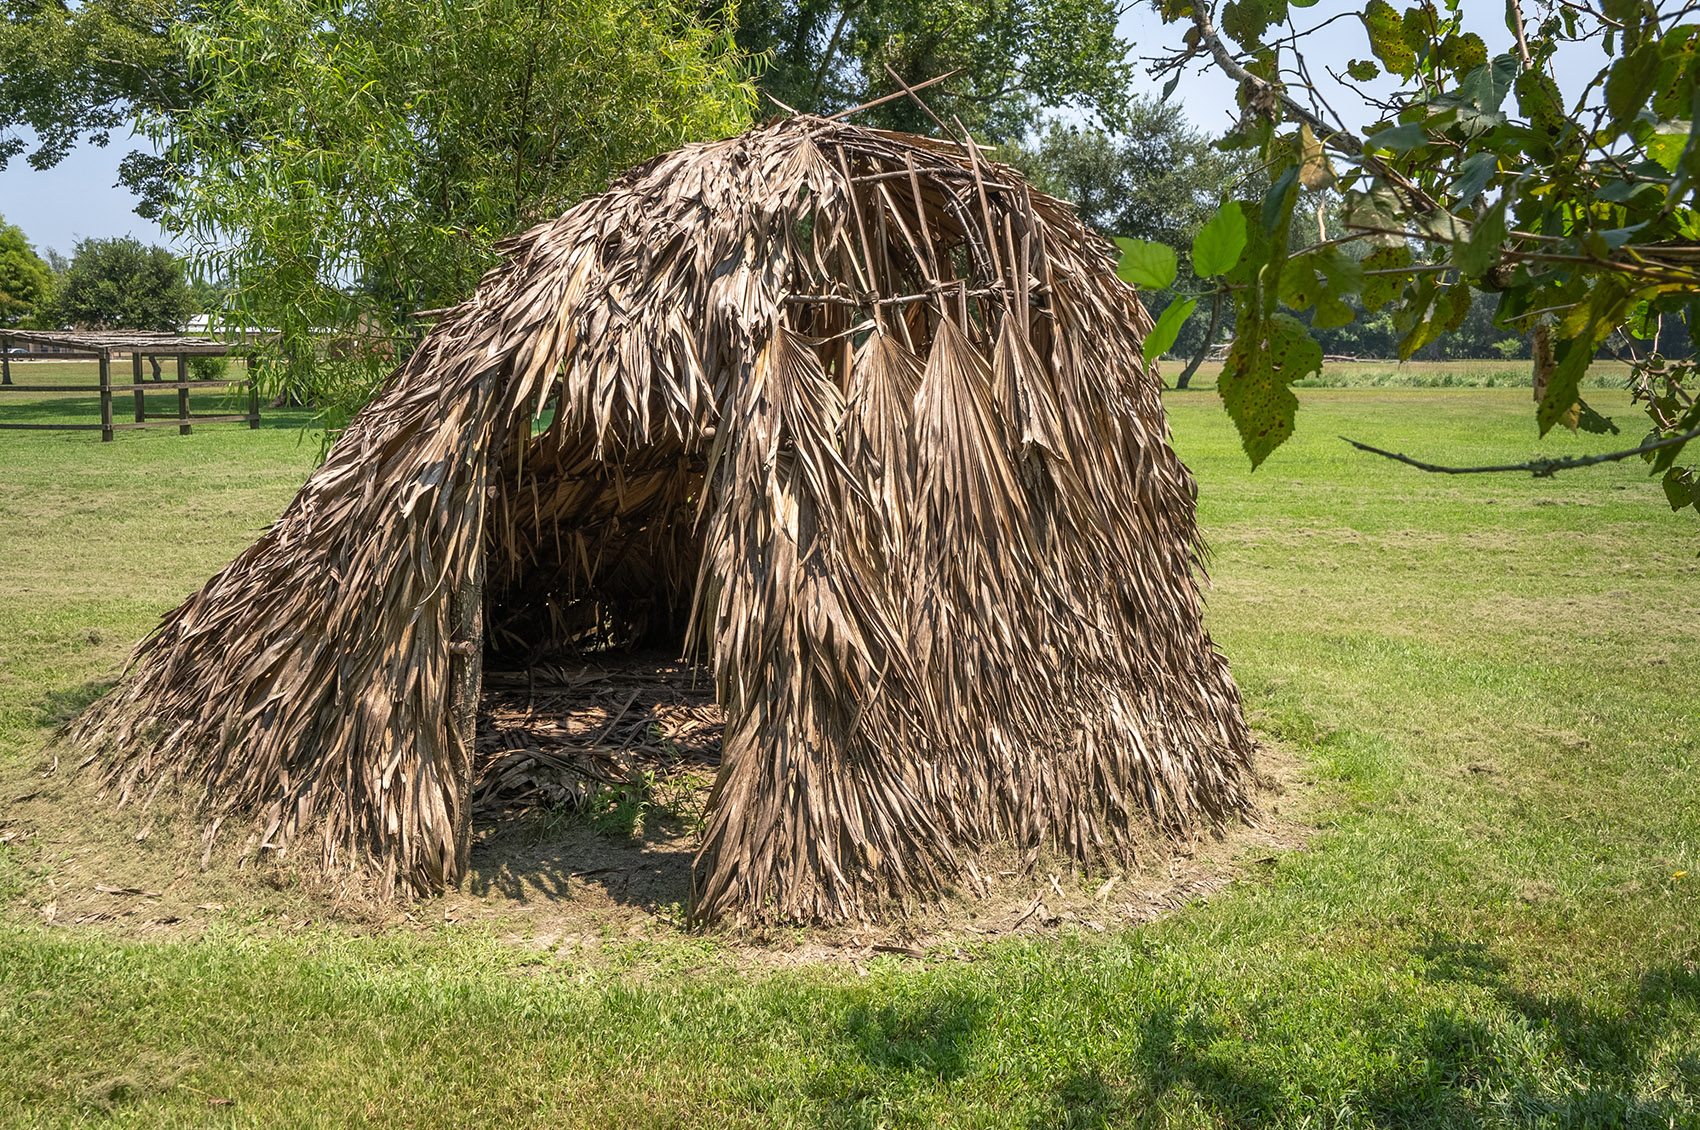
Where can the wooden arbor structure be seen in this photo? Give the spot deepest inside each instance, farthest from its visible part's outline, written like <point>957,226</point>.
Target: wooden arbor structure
<point>140,345</point>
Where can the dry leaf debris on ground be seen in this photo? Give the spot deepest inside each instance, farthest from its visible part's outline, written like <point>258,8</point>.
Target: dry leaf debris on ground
<point>551,874</point>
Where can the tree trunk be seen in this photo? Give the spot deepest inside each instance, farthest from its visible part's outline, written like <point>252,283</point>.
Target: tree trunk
<point>1185,378</point>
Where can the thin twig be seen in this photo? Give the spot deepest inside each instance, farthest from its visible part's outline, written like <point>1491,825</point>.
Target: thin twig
<point>892,97</point>
<point>916,98</point>
<point>1515,11</point>
<point>1540,468</point>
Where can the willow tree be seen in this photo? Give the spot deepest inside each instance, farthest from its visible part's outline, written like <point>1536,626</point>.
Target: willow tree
<point>346,167</point>
<point>1007,61</point>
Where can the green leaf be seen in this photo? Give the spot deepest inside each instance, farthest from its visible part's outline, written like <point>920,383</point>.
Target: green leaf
<point>1420,28</point>
<point>1591,421</point>
<point>1666,144</point>
<point>1162,336</point>
<point>1558,405</point>
<point>1623,191</point>
<point>1387,38</point>
<point>1630,83</point>
<point>1256,254</point>
<point>1218,244</point>
<point>1474,172</point>
<point>1245,21</point>
<point>1145,264</point>
<point>1451,304</point>
<point>1454,307</point>
<point>1486,86</point>
<point>1463,53</point>
<point>1481,254</point>
<point>1379,290</point>
<point>1278,201</point>
<point>1300,287</point>
<point>1377,208</point>
<point>1331,312</point>
<point>1676,72</point>
<point>1643,321</point>
<point>1345,274</point>
<point>1538,99</point>
<point>1679,486</point>
<point>1400,138</point>
<point>1264,361</point>
<point>1362,69</point>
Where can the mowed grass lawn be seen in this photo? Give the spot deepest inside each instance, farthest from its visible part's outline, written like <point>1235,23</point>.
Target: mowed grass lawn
<point>1492,685</point>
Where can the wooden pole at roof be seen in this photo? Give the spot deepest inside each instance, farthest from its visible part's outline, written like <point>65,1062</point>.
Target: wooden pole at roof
<point>466,672</point>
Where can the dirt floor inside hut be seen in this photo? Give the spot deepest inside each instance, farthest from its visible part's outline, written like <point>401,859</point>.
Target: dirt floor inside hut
<point>593,777</point>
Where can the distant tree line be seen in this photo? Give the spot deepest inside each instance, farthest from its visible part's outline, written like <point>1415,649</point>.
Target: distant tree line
<point>105,284</point>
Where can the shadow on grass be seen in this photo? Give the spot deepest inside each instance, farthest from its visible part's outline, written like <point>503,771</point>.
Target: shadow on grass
<point>59,707</point>
<point>1448,1071</point>
<point>534,859</point>
<point>895,1045</point>
<point>1514,1058</point>
<point>1446,958</point>
<point>926,1037</point>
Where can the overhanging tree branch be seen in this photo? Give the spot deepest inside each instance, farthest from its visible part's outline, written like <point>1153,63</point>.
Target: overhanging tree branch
<point>1540,468</point>
<point>1337,136</point>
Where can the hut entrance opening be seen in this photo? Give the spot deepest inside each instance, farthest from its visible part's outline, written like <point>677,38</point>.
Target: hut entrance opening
<point>589,551</point>
<point>591,559</point>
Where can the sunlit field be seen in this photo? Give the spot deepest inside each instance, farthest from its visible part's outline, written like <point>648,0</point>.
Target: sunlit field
<point>1489,686</point>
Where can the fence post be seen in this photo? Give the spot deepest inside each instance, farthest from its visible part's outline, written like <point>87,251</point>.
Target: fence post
<point>184,427</point>
<point>105,396</point>
<point>136,379</point>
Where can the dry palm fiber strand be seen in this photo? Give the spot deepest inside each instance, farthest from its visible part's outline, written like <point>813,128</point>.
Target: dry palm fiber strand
<point>856,417</point>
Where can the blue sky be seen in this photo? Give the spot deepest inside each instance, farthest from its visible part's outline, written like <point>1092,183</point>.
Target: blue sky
<point>80,197</point>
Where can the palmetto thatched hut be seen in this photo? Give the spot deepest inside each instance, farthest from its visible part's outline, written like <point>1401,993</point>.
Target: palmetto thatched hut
<point>858,413</point>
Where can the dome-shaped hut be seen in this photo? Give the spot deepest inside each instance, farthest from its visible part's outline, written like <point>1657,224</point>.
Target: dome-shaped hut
<point>859,414</point>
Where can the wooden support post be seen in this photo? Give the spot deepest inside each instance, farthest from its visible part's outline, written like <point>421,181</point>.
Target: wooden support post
<point>253,395</point>
<point>5,360</point>
<point>105,396</point>
<point>466,676</point>
<point>136,379</point>
<point>183,428</point>
<point>466,683</point>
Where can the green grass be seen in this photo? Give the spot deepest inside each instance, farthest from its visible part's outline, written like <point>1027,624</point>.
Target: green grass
<point>1490,683</point>
<point>1424,374</point>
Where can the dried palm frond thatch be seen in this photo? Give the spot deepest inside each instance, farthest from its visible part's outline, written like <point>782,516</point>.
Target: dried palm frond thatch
<point>859,416</point>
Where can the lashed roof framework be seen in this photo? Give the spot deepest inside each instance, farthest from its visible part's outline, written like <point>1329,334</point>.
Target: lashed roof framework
<point>860,416</point>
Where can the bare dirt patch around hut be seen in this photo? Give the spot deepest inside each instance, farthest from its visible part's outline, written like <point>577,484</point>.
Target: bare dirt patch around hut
<point>593,782</point>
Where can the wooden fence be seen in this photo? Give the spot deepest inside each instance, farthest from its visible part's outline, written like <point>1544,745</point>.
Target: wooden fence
<point>101,347</point>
